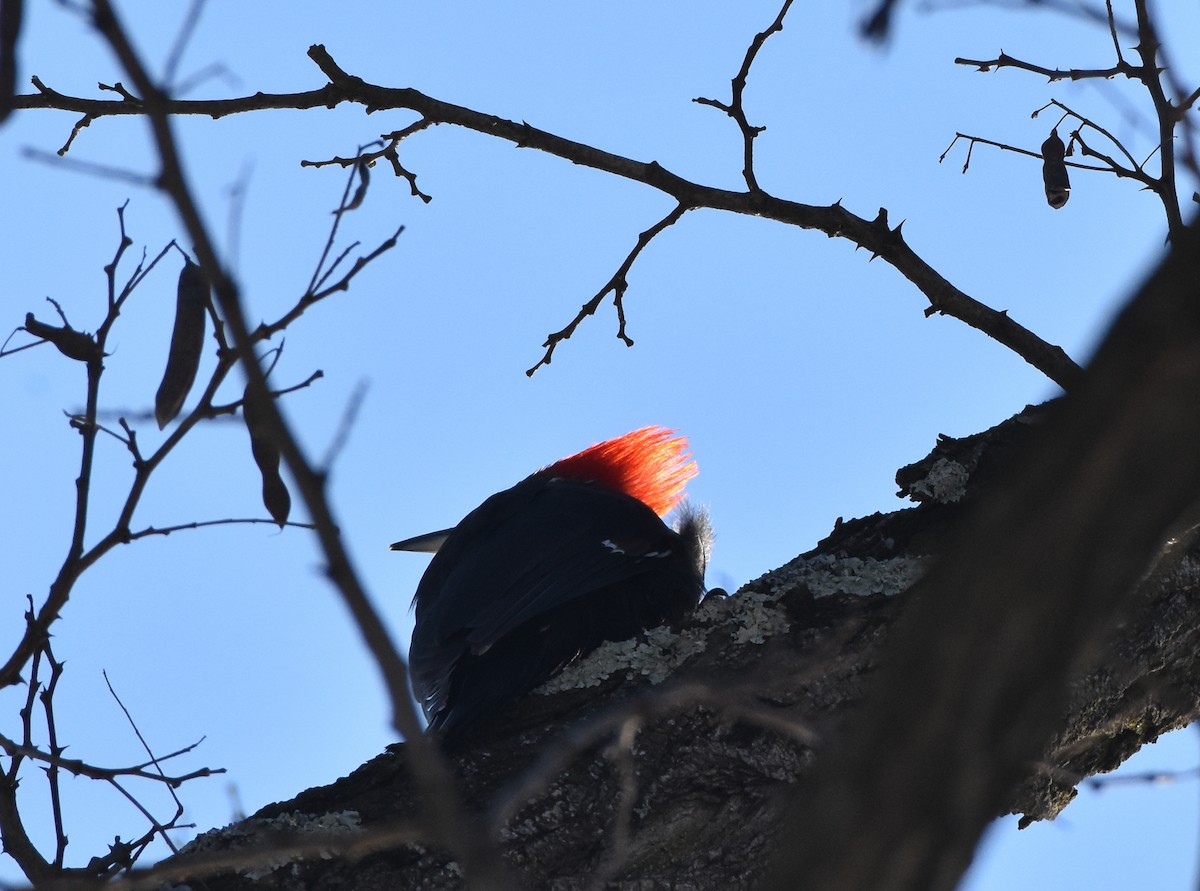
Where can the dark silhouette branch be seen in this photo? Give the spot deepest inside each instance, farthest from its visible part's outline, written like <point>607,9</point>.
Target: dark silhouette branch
<point>1004,60</point>
<point>1004,147</point>
<point>478,858</point>
<point>1168,115</point>
<point>835,221</point>
<point>617,286</point>
<point>37,867</point>
<point>1168,118</point>
<point>736,109</point>
<point>80,768</point>
<point>76,560</point>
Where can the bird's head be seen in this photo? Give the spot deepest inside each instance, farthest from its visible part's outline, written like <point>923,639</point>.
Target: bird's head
<point>652,464</point>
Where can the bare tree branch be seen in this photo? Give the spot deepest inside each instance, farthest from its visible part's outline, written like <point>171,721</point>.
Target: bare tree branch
<point>617,285</point>
<point>835,221</point>
<point>1004,60</point>
<point>736,110</point>
<point>1151,75</point>
<point>479,859</point>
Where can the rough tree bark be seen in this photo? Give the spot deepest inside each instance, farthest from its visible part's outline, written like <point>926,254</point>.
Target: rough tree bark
<point>669,762</point>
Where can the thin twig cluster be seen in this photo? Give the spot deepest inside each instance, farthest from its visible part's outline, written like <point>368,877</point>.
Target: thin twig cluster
<point>1170,100</point>
<point>31,657</point>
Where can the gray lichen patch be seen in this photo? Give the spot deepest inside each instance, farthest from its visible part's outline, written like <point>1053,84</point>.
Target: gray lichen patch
<point>825,575</point>
<point>747,617</point>
<point>655,654</point>
<point>750,616</point>
<point>946,482</point>
<point>253,831</point>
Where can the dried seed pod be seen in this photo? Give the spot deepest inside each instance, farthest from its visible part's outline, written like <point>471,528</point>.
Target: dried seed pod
<point>187,342</point>
<point>1054,171</point>
<point>71,343</point>
<point>364,178</point>
<point>275,496</point>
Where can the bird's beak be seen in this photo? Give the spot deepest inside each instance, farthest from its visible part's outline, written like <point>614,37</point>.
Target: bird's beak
<point>427,543</point>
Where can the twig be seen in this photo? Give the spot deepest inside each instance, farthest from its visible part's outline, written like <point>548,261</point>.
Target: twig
<point>91,168</point>
<point>265,330</point>
<point>186,29</point>
<point>389,151</point>
<point>201,524</point>
<point>4,351</point>
<point>320,273</point>
<point>1087,122</point>
<point>153,760</point>
<point>1003,146</point>
<point>617,285</point>
<point>1112,31</point>
<point>1004,60</point>
<point>52,775</point>
<point>17,843</point>
<point>80,768</point>
<point>1147,49</point>
<point>736,110</point>
<point>1155,777</point>
<point>345,425</point>
<point>77,560</point>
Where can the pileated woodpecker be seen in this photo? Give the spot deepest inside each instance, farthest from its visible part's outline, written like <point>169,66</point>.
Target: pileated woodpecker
<point>544,572</point>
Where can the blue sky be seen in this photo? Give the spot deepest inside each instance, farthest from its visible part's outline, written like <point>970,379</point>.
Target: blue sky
<point>803,375</point>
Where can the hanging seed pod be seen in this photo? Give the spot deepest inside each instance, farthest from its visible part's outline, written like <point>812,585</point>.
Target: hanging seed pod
<point>1054,171</point>
<point>364,178</point>
<point>275,496</point>
<point>187,341</point>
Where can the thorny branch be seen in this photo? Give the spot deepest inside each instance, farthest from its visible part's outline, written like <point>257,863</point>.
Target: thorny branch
<point>1151,73</point>
<point>1149,48</point>
<point>617,285</point>
<point>54,761</point>
<point>390,152</point>
<point>1004,60</point>
<point>736,110</point>
<point>835,221</point>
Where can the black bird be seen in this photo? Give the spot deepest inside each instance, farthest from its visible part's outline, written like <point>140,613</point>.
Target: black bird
<point>574,555</point>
